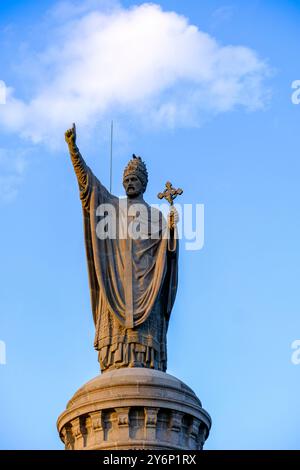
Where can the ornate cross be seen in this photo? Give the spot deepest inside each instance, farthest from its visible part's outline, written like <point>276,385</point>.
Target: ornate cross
<point>170,193</point>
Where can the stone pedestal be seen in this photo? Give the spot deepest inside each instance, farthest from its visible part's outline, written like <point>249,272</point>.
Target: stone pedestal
<point>134,408</point>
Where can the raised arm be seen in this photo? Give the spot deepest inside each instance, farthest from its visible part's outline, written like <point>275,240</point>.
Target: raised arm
<point>76,157</point>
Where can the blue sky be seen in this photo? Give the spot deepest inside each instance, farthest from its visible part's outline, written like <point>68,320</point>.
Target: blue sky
<point>235,150</point>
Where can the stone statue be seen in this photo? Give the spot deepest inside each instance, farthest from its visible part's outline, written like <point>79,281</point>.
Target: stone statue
<point>133,279</point>
<point>132,255</point>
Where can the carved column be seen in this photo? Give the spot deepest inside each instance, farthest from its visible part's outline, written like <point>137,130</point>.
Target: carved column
<point>77,433</point>
<point>176,426</point>
<point>96,427</point>
<point>150,423</point>
<point>123,423</point>
<point>193,433</point>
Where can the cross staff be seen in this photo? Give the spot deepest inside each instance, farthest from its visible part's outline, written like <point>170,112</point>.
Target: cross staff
<point>170,193</point>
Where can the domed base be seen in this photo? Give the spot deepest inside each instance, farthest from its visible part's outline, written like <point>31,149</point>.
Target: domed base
<point>134,408</point>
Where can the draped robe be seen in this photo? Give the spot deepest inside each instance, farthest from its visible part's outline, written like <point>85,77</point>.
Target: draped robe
<point>133,282</point>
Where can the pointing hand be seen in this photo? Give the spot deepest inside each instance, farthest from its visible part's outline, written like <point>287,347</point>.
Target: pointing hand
<point>70,135</point>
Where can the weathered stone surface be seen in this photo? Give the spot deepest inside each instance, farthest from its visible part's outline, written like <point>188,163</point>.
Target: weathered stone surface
<point>134,404</point>
<point>132,268</point>
<point>134,408</point>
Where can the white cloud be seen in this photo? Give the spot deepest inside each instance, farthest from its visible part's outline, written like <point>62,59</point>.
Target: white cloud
<point>142,61</point>
<point>12,169</point>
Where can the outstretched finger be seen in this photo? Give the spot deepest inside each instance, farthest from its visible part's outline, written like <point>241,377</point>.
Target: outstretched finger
<point>74,127</point>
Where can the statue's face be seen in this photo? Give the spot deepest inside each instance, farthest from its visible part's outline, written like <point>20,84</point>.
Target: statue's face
<point>133,186</point>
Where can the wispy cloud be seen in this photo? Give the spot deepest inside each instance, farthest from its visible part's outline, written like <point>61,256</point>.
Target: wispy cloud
<point>222,14</point>
<point>12,169</point>
<point>148,63</point>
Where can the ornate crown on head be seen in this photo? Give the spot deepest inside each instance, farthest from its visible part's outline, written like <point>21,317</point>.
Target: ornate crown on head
<point>137,167</point>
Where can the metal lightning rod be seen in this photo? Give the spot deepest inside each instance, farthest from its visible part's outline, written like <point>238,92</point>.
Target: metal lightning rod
<point>111,150</point>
